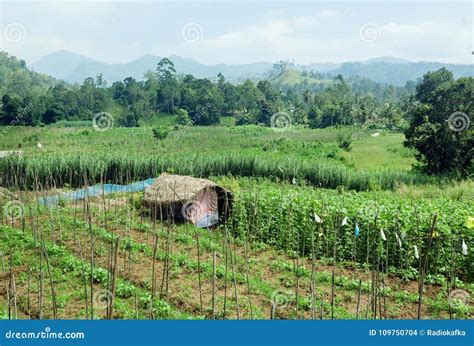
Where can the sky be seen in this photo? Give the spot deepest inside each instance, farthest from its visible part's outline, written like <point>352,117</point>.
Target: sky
<point>235,32</point>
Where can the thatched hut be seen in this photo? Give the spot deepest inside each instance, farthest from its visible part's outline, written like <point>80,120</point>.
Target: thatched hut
<point>182,198</point>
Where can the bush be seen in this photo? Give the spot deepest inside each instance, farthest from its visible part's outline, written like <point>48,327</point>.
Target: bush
<point>161,132</point>
<point>183,118</point>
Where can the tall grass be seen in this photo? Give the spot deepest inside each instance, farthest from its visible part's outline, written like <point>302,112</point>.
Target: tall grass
<point>76,170</point>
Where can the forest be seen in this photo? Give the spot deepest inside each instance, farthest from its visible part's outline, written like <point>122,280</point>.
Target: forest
<point>334,101</point>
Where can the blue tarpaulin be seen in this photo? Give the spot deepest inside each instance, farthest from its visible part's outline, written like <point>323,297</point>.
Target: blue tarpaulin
<point>96,190</point>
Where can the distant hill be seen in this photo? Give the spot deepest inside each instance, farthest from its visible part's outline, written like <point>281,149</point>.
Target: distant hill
<point>386,59</point>
<point>388,70</point>
<point>60,64</point>
<point>399,73</point>
<point>75,68</point>
<point>291,77</point>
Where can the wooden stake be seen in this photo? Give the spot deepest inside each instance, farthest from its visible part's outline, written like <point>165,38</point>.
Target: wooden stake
<point>114,278</point>
<point>425,265</point>
<point>213,306</point>
<point>358,298</point>
<point>199,272</point>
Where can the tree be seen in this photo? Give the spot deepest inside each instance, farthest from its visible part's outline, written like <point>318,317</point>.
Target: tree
<point>10,109</point>
<point>207,106</point>
<point>439,128</point>
<point>268,102</point>
<point>431,82</point>
<point>279,68</point>
<point>165,69</point>
<point>167,98</point>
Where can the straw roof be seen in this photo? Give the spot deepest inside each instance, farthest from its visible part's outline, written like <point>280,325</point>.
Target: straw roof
<point>171,188</point>
<point>171,193</point>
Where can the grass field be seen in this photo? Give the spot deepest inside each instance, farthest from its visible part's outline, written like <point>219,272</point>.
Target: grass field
<point>368,153</point>
<point>315,231</point>
<point>381,152</point>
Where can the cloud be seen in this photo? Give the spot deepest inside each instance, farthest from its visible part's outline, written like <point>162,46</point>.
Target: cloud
<point>428,40</point>
<point>244,32</point>
<point>310,39</point>
<point>328,13</point>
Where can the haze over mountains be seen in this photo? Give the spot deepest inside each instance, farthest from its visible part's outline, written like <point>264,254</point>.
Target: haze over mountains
<point>75,68</point>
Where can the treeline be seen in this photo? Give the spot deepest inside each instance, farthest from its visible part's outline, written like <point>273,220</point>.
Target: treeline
<point>28,98</point>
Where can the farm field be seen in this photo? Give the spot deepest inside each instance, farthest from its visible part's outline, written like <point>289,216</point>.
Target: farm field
<point>311,145</point>
<point>316,232</point>
<point>313,155</point>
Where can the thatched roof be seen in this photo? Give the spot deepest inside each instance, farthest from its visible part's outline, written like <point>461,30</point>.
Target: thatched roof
<point>171,195</point>
<point>171,188</point>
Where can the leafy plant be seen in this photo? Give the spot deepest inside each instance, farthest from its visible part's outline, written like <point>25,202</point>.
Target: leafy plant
<point>125,290</point>
<point>161,132</point>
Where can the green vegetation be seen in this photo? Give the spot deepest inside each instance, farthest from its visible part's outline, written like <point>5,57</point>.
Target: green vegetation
<point>161,133</point>
<point>309,99</point>
<point>329,218</point>
<point>283,212</point>
<point>76,157</point>
<point>264,251</point>
<point>435,114</point>
<point>440,129</point>
<point>384,151</point>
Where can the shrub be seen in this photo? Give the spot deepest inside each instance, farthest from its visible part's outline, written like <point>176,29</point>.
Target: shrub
<point>183,118</point>
<point>161,132</point>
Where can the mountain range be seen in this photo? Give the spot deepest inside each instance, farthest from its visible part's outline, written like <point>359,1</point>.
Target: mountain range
<point>75,68</point>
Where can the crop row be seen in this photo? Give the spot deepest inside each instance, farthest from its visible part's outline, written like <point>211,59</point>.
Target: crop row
<point>374,229</point>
